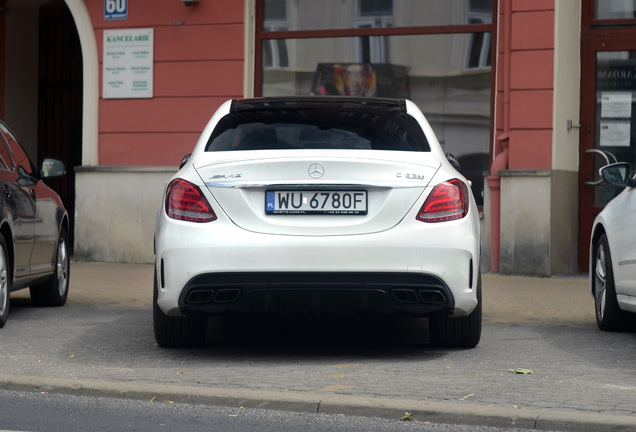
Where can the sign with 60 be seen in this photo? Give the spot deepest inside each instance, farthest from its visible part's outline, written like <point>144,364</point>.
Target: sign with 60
<point>115,10</point>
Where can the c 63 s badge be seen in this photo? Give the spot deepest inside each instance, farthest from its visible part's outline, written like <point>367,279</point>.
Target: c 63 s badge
<point>410,176</point>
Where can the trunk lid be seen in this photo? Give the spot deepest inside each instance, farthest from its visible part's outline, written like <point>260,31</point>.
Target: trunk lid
<point>307,181</point>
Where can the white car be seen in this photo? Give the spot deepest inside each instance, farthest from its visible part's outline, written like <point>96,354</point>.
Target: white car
<point>317,205</point>
<point>613,253</point>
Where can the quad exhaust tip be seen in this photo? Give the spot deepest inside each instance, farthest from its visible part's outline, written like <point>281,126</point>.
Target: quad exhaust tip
<point>427,296</point>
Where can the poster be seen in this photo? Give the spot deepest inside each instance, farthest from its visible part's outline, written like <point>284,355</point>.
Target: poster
<point>361,79</point>
<point>128,64</point>
<point>616,105</point>
<point>615,134</point>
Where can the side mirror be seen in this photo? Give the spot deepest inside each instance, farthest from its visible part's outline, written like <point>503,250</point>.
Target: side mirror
<point>453,161</point>
<point>52,168</point>
<point>185,160</point>
<point>618,174</point>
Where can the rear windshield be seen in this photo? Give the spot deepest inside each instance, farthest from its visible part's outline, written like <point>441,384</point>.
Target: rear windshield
<point>318,128</point>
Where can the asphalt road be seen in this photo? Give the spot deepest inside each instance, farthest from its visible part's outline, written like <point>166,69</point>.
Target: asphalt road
<point>80,413</point>
<point>101,343</point>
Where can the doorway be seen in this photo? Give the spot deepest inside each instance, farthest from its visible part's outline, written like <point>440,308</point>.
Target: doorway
<point>608,107</point>
<point>60,97</point>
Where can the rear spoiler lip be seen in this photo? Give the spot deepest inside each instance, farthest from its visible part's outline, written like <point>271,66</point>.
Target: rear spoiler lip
<point>271,103</point>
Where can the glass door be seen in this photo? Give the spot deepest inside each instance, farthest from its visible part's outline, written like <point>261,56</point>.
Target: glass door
<point>608,126</point>
<point>614,122</point>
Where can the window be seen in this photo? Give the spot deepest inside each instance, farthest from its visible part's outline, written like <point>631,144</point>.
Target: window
<point>5,160</point>
<point>18,155</point>
<point>372,14</point>
<point>303,15</point>
<point>478,50</point>
<point>303,125</point>
<point>614,9</point>
<point>275,19</point>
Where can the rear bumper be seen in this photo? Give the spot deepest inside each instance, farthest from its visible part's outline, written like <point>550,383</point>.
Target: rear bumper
<point>379,271</point>
<point>408,293</point>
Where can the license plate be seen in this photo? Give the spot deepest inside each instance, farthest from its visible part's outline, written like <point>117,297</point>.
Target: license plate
<point>316,202</point>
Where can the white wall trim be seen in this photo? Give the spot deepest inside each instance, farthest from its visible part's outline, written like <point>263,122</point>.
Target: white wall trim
<point>567,84</point>
<point>249,46</point>
<point>90,62</point>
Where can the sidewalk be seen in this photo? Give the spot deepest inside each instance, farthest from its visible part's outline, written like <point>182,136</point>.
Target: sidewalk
<point>509,301</point>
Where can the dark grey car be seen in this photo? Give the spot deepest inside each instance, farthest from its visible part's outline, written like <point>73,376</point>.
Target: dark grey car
<point>34,226</point>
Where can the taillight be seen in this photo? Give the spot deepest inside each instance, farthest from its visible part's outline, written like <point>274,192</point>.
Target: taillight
<point>448,201</point>
<point>185,201</point>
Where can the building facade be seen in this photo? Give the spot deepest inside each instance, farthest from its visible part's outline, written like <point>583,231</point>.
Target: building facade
<point>532,96</point>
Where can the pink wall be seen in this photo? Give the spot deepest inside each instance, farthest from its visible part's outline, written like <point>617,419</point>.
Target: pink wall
<point>198,64</point>
<point>3,31</point>
<point>531,63</point>
<point>523,100</point>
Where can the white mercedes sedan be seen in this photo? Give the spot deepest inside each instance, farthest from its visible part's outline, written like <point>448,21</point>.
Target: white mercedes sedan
<point>613,253</point>
<point>317,205</point>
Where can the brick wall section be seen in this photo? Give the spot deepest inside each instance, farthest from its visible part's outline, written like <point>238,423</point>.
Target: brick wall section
<point>198,64</point>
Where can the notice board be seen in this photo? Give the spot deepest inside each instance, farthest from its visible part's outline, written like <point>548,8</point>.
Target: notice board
<point>128,64</point>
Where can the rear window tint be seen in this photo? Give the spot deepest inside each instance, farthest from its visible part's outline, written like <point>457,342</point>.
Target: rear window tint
<point>311,128</point>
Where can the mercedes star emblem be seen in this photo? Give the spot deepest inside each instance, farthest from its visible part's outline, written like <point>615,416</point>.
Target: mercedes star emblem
<point>316,170</point>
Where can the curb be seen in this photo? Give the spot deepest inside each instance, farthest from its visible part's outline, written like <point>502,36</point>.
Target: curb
<point>431,412</point>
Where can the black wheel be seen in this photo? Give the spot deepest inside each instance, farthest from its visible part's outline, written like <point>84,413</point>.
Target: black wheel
<point>609,316</point>
<point>5,283</point>
<point>177,332</point>
<point>54,291</point>
<point>464,332</point>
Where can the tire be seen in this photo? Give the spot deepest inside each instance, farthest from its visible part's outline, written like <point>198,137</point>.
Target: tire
<point>177,332</point>
<point>54,291</point>
<point>609,316</point>
<point>5,283</point>
<point>464,332</point>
